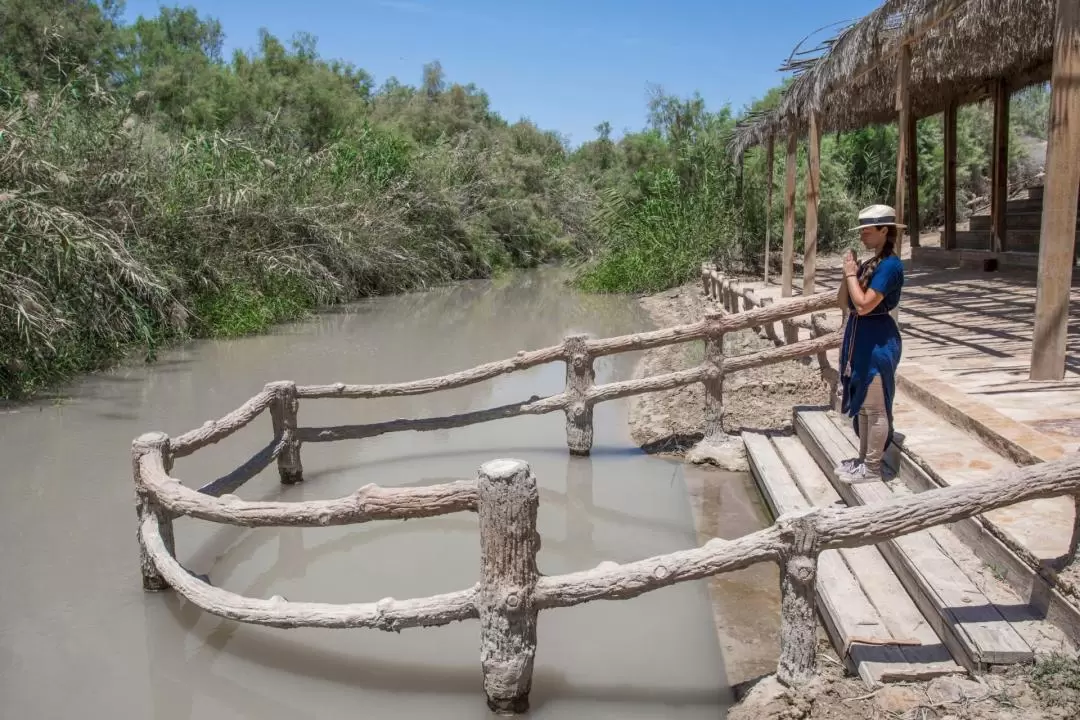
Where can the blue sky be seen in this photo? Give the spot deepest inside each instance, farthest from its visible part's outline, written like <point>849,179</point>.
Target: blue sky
<point>565,65</point>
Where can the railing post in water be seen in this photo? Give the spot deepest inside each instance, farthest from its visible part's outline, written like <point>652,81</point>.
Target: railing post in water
<point>145,505</point>
<point>714,384</point>
<point>283,411</point>
<point>508,546</point>
<point>798,607</point>
<point>579,379</point>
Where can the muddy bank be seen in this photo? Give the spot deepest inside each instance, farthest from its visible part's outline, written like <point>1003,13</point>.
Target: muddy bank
<point>1049,691</point>
<point>754,399</point>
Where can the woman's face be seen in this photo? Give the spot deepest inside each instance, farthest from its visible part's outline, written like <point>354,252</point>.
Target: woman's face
<point>873,238</point>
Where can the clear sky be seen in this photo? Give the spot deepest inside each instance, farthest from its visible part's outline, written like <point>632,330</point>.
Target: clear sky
<point>565,65</point>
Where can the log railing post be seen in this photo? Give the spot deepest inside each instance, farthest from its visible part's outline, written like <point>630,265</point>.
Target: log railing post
<point>579,379</point>
<point>717,280</point>
<point>770,327</point>
<point>283,411</point>
<point>145,504</point>
<point>798,603</point>
<point>714,384</point>
<point>508,546</point>
<point>705,279</point>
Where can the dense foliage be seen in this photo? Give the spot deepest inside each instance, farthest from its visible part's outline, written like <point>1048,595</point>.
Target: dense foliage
<point>152,189</point>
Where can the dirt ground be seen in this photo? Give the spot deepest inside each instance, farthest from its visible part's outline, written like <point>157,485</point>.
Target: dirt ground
<point>755,399</point>
<point>763,398</point>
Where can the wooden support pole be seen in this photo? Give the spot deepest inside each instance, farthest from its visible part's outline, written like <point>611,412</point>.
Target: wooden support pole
<point>1058,237</point>
<point>579,380</point>
<point>769,155</point>
<point>152,581</point>
<point>911,129</point>
<point>813,194</point>
<point>950,122</point>
<point>999,189</point>
<point>903,106</point>
<point>798,604</point>
<point>770,327</point>
<point>508,546</point>
<point>714,384</point>
<point>705,279</point>
<point>788,269</point>
<point>283,411</point>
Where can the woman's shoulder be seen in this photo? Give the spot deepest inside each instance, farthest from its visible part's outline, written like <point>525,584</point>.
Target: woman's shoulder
<point>893,263</point>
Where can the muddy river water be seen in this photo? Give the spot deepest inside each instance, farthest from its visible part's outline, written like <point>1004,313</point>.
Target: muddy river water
<point>80,639</point>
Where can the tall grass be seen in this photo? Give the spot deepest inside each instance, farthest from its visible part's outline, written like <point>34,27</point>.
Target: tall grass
<point>116,236</point>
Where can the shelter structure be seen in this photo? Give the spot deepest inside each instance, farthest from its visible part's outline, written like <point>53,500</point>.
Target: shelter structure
<point>911,59</point>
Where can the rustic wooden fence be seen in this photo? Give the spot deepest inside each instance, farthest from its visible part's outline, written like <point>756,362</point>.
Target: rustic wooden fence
<point>511,591</point>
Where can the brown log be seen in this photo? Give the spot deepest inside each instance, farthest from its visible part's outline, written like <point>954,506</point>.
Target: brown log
<point>1057,243</point>
<point>235,480</point>
<point>770,327</point>
<point>798,620</point>
<point>283,411</point>
<point>999,184</point>
<point>769,155</point>
<point>387,614</point>
<point>148,508</point>
<point>369,503</point>
<point>666,381</point>
<point>951,115</point>
<point>522,361</point>
<point>508,546</point>
<point>213,431</point>
<point>813,195</point>
<point>579,380</point>
<point>713,364</point>
<point>533,406</point>
<point>705,279</point>
<point>794,351</point>
<point>787,308</point>
<point>788,270</point>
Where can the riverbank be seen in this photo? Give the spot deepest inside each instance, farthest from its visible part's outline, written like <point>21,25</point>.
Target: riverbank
<point>758,398</point>
<point>762,399</point>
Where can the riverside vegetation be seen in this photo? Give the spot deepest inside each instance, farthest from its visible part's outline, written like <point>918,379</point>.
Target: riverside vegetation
<point>153,190</point>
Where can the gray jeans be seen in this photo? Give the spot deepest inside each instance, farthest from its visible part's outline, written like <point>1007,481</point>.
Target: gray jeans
<point>873,427</point>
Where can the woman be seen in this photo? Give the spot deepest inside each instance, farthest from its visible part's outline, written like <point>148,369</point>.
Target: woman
<point>871,349</point>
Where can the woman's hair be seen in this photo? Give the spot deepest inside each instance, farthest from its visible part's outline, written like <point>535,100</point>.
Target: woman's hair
<point>867,270</point>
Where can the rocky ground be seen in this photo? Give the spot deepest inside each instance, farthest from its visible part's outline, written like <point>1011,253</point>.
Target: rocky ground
<point>762,398</point>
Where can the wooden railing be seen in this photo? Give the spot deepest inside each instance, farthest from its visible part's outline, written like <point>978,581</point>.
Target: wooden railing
<point>511,591</point>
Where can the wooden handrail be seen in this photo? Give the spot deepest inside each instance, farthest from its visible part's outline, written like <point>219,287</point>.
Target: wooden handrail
<point>508,519</point>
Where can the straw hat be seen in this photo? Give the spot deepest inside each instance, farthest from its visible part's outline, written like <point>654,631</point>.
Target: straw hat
<point>877,215</point>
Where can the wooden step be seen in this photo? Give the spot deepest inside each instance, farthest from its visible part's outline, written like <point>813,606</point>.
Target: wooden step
<point>1015,540</point>
<point>867,642</point>
<point>929,657</point>
<point>973,628</point>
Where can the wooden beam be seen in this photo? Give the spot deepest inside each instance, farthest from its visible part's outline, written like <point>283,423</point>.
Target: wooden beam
<point>911,131</point>
<point>769,153</point>
<point>789,217</point>
<point>903,105</point>
<point>950,120</point>
<point>1058,237</point>
<point>813,193</point>
<point>999,189</point>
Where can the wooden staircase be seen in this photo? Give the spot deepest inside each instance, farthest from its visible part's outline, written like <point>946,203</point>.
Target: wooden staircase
<point>1023,225</point>
<point>916,607</point>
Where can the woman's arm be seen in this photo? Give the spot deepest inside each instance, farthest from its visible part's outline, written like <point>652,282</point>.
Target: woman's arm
<point>863,300</point>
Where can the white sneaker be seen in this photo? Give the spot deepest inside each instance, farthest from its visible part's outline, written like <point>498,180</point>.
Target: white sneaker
<point>860,474</point>
<point>847,466</point>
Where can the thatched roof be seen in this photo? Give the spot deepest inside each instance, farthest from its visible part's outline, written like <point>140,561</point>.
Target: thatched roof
<point>959,48</point>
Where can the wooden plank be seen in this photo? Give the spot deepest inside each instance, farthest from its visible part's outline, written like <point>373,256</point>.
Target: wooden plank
<point>813,193</point>
<point>770,152</point>
<point>999,183</point>
<point>926,652</point>
<point>949,238</point>
<point>854,625</point>
<point>973,629</point>
<point>1059,200</point>
<point>789,217</point>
